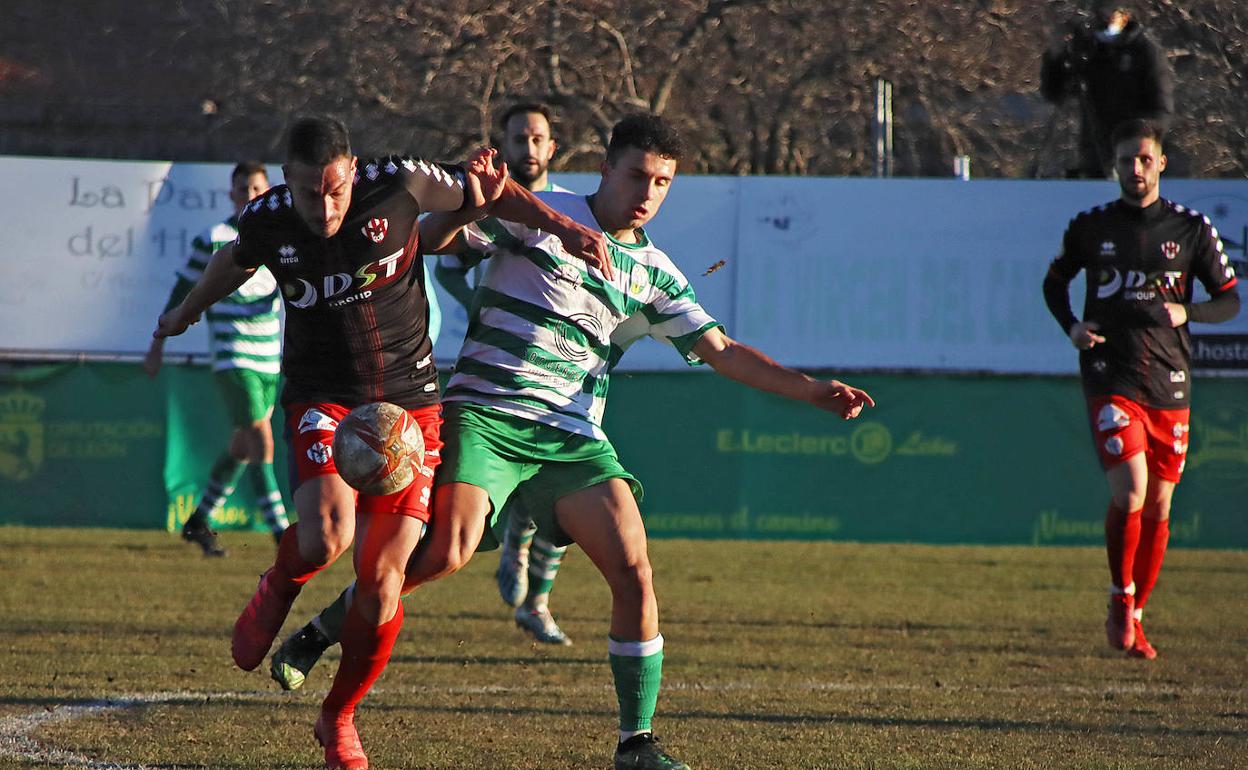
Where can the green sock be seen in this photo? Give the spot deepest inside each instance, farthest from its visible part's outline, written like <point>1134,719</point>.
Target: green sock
<point>545,558</point>
<point>221,482</point>
<point>637,668</point>
<point>269,496</point>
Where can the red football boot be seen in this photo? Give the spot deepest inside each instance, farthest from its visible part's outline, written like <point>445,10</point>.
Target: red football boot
<point>1120,626</point>
<point>343,750</point>
<point>262,618</point>
<point>1140,648</point>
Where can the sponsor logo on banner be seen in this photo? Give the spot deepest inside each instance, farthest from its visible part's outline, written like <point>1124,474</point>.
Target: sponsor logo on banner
<point>1052,527</point>
<point>870,443</point>
<point>1219,445</point>
<point>376,229</point>
<point>21,435</point>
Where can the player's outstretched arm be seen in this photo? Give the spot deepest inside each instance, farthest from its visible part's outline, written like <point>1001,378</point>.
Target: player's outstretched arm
<point>221,278</point>
<point>752,367</point>
<point>504,198</point>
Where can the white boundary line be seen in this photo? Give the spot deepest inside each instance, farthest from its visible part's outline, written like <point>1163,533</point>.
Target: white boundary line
<point>16,741</point>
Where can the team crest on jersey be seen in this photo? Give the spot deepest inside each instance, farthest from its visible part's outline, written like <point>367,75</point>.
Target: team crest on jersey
<point>320,452</point>
<point>1170,249</point>
<point>638,280</point>
<point>376,229</point>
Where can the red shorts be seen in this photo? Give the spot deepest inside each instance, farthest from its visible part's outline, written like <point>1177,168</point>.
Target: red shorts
<point>1122,428</point>
<point>310,430</point>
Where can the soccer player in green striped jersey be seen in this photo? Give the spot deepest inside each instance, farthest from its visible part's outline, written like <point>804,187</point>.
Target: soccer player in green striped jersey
<point>245,339</point>
<point>525,402</point>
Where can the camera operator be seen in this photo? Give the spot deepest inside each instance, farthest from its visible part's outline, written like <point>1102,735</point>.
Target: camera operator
<point>1117,72</point>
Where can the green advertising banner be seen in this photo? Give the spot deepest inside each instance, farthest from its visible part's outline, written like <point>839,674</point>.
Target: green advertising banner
<point>86,445</point>
<point>942,459</point>
<point>80,445</point>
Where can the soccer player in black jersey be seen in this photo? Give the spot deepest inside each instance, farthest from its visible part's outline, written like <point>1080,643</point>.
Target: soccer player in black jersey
<point>1141,254</point>
<point>341,238</point>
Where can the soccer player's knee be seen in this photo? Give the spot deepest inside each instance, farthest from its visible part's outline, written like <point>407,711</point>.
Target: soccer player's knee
<point>633,577</point>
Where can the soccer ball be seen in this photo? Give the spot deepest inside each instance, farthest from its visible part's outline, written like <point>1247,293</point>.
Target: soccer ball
<point>378,448</point>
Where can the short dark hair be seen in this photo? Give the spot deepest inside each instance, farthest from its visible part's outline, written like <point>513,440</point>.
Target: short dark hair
<point>317,141</point>
<point>646,132</point>
<point>1137,129</point>
<point>524,108</point>
<point>247,168</point>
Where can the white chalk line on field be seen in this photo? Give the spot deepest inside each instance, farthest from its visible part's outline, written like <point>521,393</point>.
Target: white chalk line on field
<point>16,741</point>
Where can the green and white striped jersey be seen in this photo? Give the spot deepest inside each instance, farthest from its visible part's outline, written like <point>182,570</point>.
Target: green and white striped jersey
<point>545,329</point>
<point>244,330</point>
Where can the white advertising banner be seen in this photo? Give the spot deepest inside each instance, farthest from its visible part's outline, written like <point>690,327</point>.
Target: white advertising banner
<point>925,273</point>
<point>88,250</point>
<point>821,273</point>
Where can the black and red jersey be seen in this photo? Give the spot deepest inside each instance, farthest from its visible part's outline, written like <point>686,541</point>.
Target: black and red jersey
<point>1133,258</point>
<point>357,310</point>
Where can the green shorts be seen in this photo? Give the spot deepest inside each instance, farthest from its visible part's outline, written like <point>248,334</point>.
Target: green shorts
<point>249,395</point>
<point>500,452</point>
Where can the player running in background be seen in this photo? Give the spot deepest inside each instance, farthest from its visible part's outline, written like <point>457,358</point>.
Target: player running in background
<point>341,238</point>
<point>528,145</point>
<point>1141,254</point>
<point>524,405</point>
<point>245,339</point>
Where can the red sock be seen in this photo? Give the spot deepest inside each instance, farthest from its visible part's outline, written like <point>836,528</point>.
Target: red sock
<point>1154,535</point>
<point>1122,538</point>
<point>290,570</point>
<point>365,651</point>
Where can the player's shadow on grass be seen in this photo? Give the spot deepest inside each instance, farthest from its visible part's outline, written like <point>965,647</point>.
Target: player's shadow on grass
<point>936,723</point>
<point>536,658</point>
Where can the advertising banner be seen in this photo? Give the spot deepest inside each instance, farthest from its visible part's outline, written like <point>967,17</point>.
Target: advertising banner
<point>887,274</point>
<point>942,459</point>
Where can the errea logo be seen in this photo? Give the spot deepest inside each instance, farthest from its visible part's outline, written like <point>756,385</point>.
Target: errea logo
<point>286,255</point>
<point>1108,249</point>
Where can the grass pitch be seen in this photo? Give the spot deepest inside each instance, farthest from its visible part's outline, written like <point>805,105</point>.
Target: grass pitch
<point>114,652</point>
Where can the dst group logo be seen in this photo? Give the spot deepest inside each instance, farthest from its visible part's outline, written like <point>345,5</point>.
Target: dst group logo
<point>1224,346</point>
<point>21,435</point>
